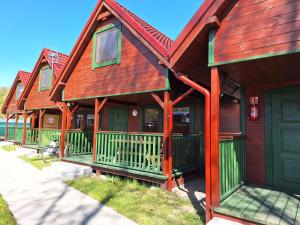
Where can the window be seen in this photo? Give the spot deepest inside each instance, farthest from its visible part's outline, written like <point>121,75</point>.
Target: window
<point>151,120</point>
<point>107,46</point>
<point>90,121</point>
<point>45,78</point>
<point>181,118</point>
<point>19,91</point>
<point>79,121</point>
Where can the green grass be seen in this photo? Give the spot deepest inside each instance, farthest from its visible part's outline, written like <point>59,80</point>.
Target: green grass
<point>6,216</point>
<point>140,203</point>
<point>9,148</point>
<point>37,161</point>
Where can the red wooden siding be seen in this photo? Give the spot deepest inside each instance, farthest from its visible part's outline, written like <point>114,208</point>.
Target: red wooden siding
<point>39,99</point>
<point>139,71</point>
<point>254,28</point>
<point>12,105</point>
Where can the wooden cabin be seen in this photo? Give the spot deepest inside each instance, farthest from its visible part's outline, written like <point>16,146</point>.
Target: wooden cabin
<point>117,97</point>
<point>35,101</point>
<point>251,48</point>
<point>10,110</point>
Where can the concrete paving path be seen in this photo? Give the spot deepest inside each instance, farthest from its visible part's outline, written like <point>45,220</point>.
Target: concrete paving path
<point>38,199</point>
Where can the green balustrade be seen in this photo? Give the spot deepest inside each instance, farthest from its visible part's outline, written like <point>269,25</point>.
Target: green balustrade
<point>19,134</point>
<point>187,153</point>
<point>141,152</point>
<point>232,164</point>
<point>48,135</point>
<point>78,143</point>
<point>11,133</point>
<point>32,136</point>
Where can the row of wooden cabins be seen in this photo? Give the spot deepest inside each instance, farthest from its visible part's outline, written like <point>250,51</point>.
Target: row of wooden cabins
<point>223,99</point>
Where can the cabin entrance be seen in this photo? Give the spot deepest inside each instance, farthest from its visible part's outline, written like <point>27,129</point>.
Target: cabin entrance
<point>285,139</point>
<point>118,119</point>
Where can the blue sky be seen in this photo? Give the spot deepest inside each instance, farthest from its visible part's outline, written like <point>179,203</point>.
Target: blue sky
<point>29,26</point>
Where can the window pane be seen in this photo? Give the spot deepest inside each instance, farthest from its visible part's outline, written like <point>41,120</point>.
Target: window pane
<point>79,120</point>
<point>90,120</point>
<point>20,89</point>
<point>151,123</point>
<point>46,78</point>
<point>181,118</point>
<point>107,45</point>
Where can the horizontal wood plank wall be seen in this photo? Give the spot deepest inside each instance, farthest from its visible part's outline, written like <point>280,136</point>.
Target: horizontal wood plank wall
<point>12,105</point>
<point>39,99</point>
<point>254,28</point>
<point>139,71</point>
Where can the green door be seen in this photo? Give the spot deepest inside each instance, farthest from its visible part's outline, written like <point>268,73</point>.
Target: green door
<point>286,140</point>
<point>118,119</point>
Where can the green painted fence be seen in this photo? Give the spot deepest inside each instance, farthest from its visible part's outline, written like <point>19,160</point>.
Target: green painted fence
<point>11,133</point>
<point>48,135</point>
<point>19,134</point>
<point>78,143</point>
<point>32,136</point>
<point>186,152</point>
<point>141,152</point>
<point>232,164</point>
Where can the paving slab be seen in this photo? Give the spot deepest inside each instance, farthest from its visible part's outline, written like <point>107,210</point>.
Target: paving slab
<point>37,198</point>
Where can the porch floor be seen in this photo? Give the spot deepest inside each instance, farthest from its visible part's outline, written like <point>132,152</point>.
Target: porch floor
<point>262,205</point>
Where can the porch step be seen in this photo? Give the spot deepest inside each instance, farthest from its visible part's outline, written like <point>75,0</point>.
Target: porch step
<point>220,221</point>
<point>67,171</point>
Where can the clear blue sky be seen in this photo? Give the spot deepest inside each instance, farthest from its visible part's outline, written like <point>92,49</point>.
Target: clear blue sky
<point>26,27</point>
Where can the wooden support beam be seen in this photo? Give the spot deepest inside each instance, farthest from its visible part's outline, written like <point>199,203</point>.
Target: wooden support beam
<point>166,132</point>
<point>59,106</point>
<point>103,16</point>
<point>16,125</point>
<point>6,127</point>
<point>215,137</point>
<point>41,115</point>
<point>33,119</point>
<point>182,97</point>
<point>170,148</point>
<point>25,115</point>
<point>70,115</point>
<point>98,107</point>
<point>157,99</point>
<point>63,131</point>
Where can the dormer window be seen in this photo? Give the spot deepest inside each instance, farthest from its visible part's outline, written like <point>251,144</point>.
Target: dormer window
<point>45,78</point>
<point>107,46</point>
<point>19,90</point>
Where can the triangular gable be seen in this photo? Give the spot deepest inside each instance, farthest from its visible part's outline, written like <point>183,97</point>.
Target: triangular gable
<point>156,41</point>
<point>22,77</point>
<point>56,67</point>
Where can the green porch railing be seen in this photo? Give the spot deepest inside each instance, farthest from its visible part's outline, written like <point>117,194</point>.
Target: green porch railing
<point>19,134</point>
<point>11,133</point>
<point>78,143</point>
<point>135,151</point>
<point>186,152</point>
<point>232,164</point>
<point>32,136</point>
<point>48,135</point>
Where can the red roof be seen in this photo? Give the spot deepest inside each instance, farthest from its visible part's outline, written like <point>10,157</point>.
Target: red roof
<point>24,77</point>
<point>158,36</point>
<point>59,62</point>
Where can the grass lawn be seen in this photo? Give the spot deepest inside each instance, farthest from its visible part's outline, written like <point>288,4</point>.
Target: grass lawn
<point>9,148</point>
<point>140,203</point>
<point>37,161</point>
<point>6,216</point>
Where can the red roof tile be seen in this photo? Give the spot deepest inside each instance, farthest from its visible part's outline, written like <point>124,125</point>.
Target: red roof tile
<point>24,77</point>
<point>59,62</point>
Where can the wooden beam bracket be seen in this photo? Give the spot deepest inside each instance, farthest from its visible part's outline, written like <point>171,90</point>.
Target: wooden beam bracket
<point>182,97</point>
<point>157,99</point>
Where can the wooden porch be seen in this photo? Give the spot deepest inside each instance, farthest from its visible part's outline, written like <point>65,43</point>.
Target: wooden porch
<point>262,205</point>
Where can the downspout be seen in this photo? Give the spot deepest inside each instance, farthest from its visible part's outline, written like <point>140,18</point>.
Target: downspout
<point>206,93</point>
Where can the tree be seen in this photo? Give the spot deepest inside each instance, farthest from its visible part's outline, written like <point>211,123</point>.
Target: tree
<point>3,94</point>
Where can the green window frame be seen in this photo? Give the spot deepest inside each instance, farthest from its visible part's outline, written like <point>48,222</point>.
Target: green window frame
<point>40,75</point>
<point>116,60</point>
<point>18,92</point>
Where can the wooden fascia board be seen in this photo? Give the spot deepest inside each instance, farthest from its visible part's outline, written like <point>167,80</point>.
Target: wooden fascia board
<point>10,95</point>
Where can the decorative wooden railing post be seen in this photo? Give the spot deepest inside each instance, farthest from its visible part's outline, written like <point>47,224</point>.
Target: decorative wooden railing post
<point>98,107</point>
<point>63,130</point>
<point>215,137</point>
<point>6,127</point>
<point>25,115</point>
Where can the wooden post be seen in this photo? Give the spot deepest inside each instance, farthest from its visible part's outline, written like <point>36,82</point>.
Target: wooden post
<point>215,139</point>
<point>70,114</point>
<point>170,148</point>
<point>33,120</point>
<point>41,115</point>
<point>63,130</point>
<point>25,115</point>
<point>16,126</point>
<point>6,127</point>
<point>166,132</point>
<point>98,106</point>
